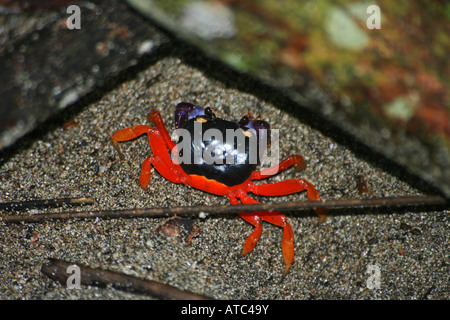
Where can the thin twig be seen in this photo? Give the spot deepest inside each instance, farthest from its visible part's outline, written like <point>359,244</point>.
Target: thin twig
<point>20,205</point>
<point>57,270</point>
<point>229,209</point>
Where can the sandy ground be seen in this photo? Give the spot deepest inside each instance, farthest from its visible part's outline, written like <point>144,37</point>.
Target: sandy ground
<point>410,249</point>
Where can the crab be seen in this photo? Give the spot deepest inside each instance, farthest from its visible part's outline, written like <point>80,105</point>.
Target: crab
<point>233,180</point>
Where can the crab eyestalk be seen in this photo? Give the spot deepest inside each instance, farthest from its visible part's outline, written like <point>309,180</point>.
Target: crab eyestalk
<point>209,114</point>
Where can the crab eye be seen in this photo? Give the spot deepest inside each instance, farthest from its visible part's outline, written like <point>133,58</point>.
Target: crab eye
<point>244,121</point>
<point>210,113</point>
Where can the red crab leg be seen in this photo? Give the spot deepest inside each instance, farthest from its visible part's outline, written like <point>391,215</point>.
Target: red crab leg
<point>291,186</point>
<point>160,159</point>
<point>276,218</point>
<point>294,160</point>
<point>157,119</point>
<point>253,219</point>
<point>129,134</point>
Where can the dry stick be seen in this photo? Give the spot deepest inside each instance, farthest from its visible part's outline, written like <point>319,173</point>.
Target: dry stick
<point>17,205</point>
<point>57,270</point>
<point>228,209</point>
